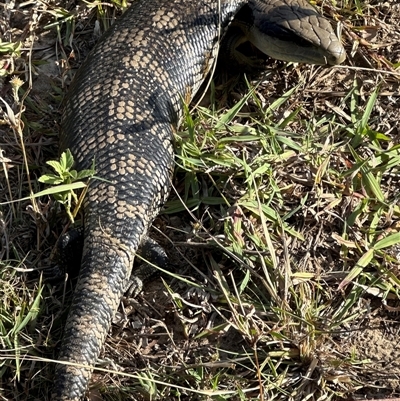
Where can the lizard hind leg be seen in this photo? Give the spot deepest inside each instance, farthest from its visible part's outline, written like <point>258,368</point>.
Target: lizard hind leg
<point>151,255</point>
<point>67,256</point>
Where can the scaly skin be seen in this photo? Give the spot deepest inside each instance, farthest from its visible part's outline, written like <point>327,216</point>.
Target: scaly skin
<point>121,111</point>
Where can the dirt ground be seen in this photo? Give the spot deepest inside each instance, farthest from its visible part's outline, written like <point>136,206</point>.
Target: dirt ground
<point>150,331</point>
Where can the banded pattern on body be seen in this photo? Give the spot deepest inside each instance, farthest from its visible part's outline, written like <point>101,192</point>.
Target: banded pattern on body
<point>121,110</point>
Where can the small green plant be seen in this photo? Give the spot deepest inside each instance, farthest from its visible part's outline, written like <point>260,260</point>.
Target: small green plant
<point>66,181</point>
<point>9,51</point>
<point>10,48</point>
